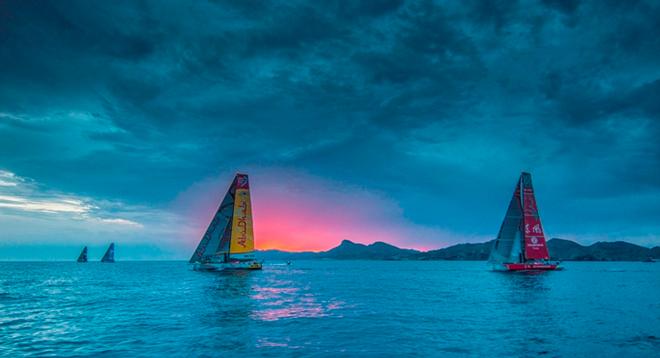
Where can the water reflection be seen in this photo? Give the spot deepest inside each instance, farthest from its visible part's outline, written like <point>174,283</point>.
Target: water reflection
<point>231,284</point>
<point>528,308</point>
<point>284,300</point>
<point>262,296</point>
<point>284,296</point>
<point>224,306</point>
<point>518,283</point>
<point>228,295</point>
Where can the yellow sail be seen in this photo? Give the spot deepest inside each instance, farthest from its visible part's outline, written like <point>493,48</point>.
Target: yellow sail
<point>242,232</point>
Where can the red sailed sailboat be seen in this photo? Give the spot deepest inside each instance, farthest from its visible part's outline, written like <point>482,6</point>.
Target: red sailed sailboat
<point>520,244</point>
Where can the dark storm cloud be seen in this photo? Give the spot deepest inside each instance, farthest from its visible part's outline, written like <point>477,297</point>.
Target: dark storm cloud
<point>447,100</point>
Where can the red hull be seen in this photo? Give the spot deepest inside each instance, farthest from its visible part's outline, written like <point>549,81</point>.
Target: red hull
<point>531,267</point>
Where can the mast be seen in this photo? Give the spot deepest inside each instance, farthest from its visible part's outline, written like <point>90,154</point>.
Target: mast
<point>109,255</point>
<point>83,255</point>
<point>521,241</point>
<point>227,239</point>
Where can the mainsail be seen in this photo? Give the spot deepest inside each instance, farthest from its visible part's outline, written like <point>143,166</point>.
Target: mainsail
<point>230,232</point>
<point>109,254</point>
<point>242,232</point>
<point>521,235</point>
<point>83,255</point>
<point>535,246</point>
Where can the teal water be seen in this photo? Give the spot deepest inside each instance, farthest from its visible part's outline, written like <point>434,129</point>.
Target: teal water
<point>328,308</point>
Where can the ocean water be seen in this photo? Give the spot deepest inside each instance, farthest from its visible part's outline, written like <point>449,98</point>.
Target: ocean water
<point>328,308</point>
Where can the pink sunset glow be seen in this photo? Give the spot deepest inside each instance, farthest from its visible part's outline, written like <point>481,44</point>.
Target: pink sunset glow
<point>299,212</point>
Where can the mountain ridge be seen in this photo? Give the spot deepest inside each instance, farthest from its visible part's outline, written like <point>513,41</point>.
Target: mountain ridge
<point>560,249</point>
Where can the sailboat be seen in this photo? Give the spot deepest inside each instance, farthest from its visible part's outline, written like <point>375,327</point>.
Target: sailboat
<point>83,255</point>
<point>228,243</point>
<point>520,244</point>
<point>109,256</point>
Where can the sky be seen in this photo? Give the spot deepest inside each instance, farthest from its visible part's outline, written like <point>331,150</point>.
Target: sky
<point>400,121</point>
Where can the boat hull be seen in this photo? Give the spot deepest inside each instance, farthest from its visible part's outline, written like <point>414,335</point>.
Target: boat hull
<point>534,266</point>
<point>228,266</point>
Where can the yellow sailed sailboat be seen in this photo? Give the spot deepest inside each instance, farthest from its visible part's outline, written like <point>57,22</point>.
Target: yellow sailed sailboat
<point>228,243</point>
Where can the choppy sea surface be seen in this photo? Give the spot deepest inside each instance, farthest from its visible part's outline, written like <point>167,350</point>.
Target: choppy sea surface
<point>328,308</point>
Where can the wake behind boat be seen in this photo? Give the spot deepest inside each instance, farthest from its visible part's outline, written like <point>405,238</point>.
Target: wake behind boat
<point>228,243</point>
<point>520,244</point>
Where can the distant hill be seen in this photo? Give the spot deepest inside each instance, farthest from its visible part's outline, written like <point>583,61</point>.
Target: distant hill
<point>349,250</point>
<point>566,249</point>
<point>655,252</point>
<point>459,252</point>
<point>600,251</point>
<point>559,250</point>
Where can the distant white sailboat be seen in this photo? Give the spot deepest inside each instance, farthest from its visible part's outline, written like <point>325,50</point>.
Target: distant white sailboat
<point>109,256</point>
<point>228,243</point>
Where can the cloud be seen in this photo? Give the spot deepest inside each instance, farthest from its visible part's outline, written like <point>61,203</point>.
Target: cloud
<point>45,224</point>
<point>22,194</point>
<point>54,205</point>
<point>24,197</point>
<point>119,221</point>
<point>8,178</point>
<point>436,105</point>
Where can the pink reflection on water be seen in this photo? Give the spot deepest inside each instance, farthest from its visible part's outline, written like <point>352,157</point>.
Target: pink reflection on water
<point>266,293</point>
<point>289,302</point>
<point>296,311</point>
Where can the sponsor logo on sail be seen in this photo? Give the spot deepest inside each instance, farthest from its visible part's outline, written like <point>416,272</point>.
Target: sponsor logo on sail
<point>534,242</point>
<point>242,182</point>
<point>242,222</point>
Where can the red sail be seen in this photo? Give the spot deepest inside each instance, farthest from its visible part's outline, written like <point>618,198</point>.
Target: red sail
<point>535,246</point>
